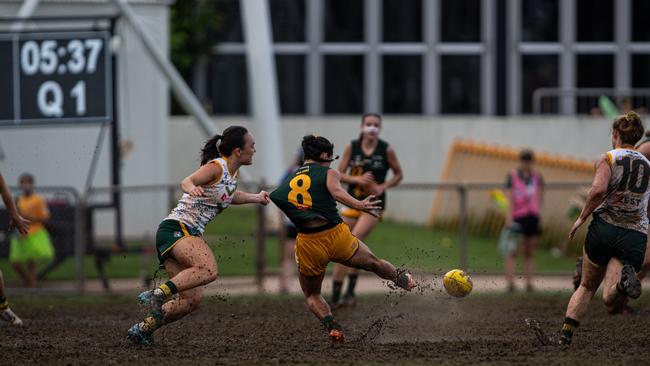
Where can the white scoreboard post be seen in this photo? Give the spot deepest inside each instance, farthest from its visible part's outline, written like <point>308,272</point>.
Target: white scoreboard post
<point>62,77</point>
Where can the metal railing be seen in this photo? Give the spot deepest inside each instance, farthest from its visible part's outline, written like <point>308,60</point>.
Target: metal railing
<point>463,193</point>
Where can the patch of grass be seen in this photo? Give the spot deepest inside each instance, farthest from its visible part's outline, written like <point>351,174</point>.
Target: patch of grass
<point>232,239</point>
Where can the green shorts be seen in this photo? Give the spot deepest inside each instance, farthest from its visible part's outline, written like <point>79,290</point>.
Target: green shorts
<point>605,241</point>
<point>32,247</point>
<point>168,234</point>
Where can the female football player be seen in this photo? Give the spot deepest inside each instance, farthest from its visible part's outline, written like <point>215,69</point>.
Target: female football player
<point>183,252</point>
<point>364,166</point>
<point>308,197</point>
<point>615,245</point>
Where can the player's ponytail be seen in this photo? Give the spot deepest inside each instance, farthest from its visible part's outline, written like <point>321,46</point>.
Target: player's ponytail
<point>630,127</point>
<point>211,149</point>
<point>223,145</point>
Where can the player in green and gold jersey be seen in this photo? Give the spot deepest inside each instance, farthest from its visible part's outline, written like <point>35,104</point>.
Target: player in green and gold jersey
<point>308,197</point>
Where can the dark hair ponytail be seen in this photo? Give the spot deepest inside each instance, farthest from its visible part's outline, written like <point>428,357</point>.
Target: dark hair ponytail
<point>232,138</point>
<point>313,146</point>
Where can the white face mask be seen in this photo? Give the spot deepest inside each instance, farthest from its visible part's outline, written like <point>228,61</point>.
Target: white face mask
<point>370,130</point>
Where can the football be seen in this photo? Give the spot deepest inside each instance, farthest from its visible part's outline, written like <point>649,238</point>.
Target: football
<point>457,283</point>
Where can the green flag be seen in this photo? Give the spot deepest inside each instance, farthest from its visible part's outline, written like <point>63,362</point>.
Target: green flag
<point>607,107</point>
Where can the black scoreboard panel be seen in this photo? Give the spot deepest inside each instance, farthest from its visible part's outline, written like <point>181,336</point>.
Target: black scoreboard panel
<point>55,77</point>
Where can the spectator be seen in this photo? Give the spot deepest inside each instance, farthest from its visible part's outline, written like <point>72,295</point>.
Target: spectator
<point>28,249</point>
<point>526,188</point>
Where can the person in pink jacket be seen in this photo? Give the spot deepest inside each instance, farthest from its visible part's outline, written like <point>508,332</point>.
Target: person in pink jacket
<point>526,189</point>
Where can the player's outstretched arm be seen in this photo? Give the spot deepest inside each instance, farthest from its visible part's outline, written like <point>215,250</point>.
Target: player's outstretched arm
<point>241,198</point>
<point>597,193</point>
<point>15,220</point>
<point>340,195</point>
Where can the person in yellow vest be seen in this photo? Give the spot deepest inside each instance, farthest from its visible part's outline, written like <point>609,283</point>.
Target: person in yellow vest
<point>35,246</point>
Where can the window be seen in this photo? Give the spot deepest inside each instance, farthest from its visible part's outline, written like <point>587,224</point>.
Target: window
<point>460,84</point>
<point>291,83</point>
<point>229,84</point>
<point>402,20</point>
<point>344,84</point>
<point>402,84</point>
<point>539,71</point>
<point>641,71</point>
<point>288,20</point>
<point>460,20</point>
<point>343,20</point>
<point>595,20</point>
<point>539,20</point>
<point>231,28</point>
<point>640,23</point>
<point>593,71</point>
<point>6,105</point>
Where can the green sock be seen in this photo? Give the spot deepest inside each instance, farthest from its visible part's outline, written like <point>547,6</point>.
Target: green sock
<point>352,284</point>
<point>569,327</point>
<point>336,291</point>
<point>329,323</point>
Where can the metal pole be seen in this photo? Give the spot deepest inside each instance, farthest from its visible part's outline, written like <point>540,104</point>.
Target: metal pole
<point>462,225</point>
<point>26,11</point>
<point>260,259</point>
<point>116,176</point>
<point>79,242</point>
<point>183,93</point>
<point>263,84</point>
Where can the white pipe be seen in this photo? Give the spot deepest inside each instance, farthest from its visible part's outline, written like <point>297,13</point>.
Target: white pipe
<point>186,98</point>
<point>26,11</point>
<point>263,86</point>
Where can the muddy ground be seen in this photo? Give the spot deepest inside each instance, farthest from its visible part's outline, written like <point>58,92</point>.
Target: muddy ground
<point>428,328</point>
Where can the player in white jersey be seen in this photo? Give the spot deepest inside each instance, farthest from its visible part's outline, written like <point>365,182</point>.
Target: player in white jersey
<point>616,240</point>
<point>182,251</point>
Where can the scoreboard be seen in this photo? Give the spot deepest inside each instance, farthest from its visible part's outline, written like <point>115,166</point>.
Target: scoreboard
<point>49,78</point>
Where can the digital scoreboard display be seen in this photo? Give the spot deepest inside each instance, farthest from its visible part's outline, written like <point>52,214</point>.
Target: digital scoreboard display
<point>55,77</point>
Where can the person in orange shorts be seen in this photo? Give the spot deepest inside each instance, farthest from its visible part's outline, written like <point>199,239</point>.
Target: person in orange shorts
<point>308,197</point>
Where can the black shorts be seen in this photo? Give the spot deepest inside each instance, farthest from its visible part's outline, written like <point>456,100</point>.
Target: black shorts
<point>529,225</point>
<point>605,241</point>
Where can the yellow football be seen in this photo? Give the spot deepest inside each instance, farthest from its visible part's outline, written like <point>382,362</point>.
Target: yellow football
<point>457,283</point>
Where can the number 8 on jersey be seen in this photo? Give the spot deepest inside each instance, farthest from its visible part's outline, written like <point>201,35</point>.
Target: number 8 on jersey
<point>300,187</point>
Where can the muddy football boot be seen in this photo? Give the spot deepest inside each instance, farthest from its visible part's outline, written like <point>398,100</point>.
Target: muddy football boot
<point>138,336</point>
<point>336,333</point>
<point>154,300</point>
<point>10,317</point>
<point>577,275</point>
<point>405,280</point>
<point>629,283</point>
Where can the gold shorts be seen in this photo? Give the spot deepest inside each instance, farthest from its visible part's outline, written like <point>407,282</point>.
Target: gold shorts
<point>314,251</point>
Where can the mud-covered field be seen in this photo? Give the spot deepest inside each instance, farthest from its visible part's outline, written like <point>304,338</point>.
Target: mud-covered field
<point>413,329</point>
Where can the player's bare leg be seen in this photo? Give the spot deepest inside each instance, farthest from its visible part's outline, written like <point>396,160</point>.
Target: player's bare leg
<point>191,265</point>
<point>340,271</point>
<point>6,314</point>
<point>529,244</point>
<point>510,265</point>
<point>311,288</point>
<point>613,298</point>
<point>288,264</point>
<point>365,259</point>
<point>362,228</point>
<point>592,276</point>
<point>22,272</point>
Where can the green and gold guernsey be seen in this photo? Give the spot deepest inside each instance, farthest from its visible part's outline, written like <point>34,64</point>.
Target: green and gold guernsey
<point>303,196</point>
<point>376,163</point>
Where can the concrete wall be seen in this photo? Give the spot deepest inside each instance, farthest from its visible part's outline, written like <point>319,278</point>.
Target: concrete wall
<point>421,144</point>
<point>62,155</point>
